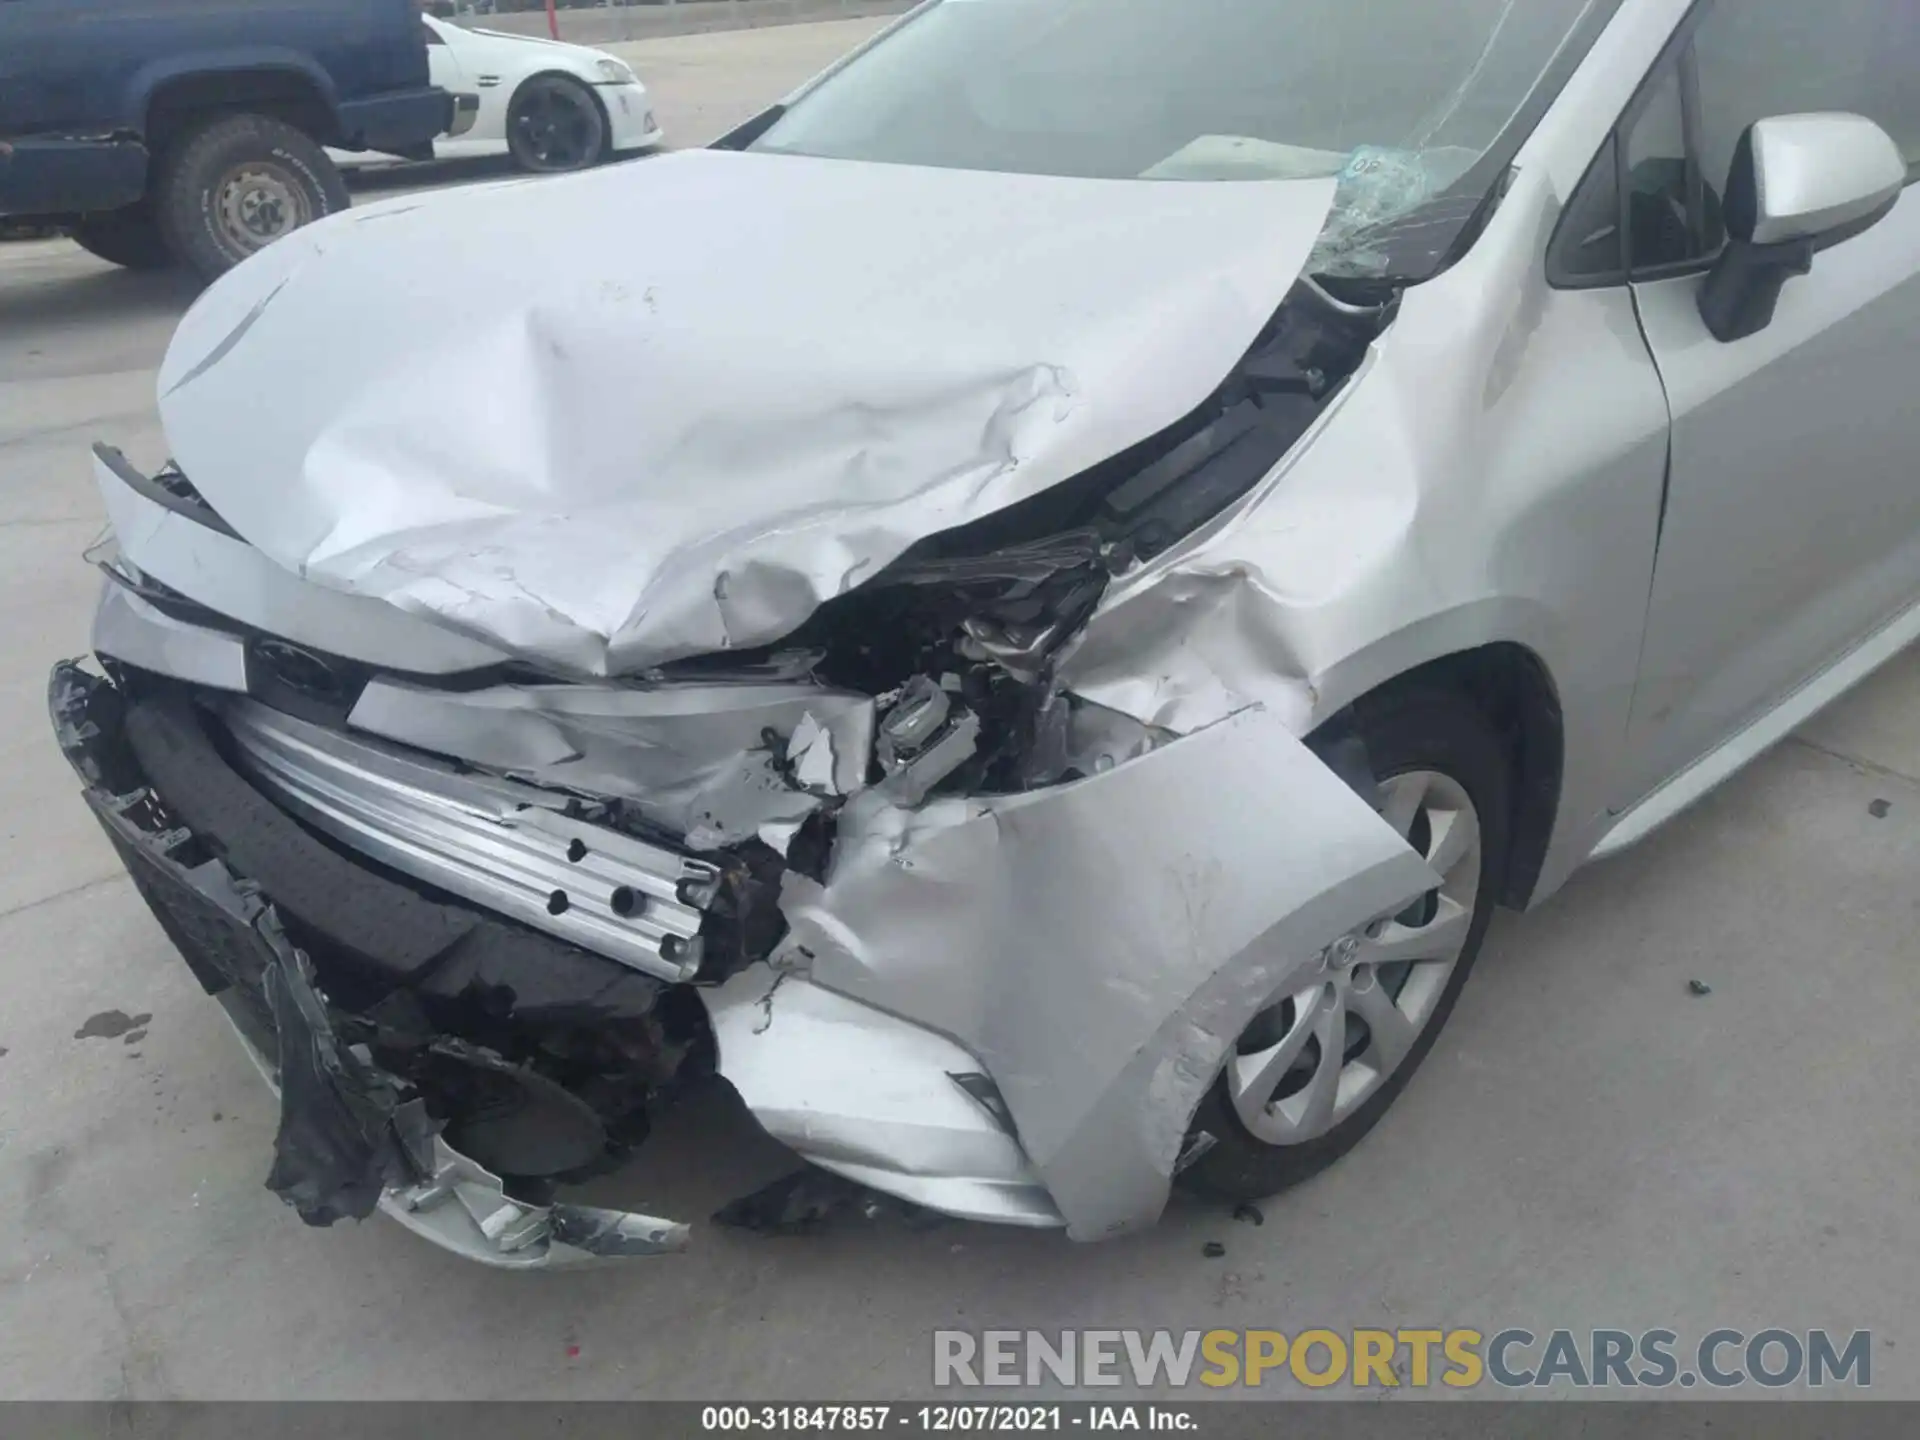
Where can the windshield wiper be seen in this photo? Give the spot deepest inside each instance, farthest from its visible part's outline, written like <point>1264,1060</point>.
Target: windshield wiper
<point>741,136</point>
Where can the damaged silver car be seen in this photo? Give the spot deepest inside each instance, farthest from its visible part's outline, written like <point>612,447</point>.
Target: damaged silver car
<point>1029,628</point>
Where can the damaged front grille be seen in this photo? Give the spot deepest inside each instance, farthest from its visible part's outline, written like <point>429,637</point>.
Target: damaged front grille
<point>510,847</point>
<point>537,1058</point>
<point>937,676</point>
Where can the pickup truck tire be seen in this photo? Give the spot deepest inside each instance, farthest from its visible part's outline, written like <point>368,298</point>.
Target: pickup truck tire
<point>235,183</point>
<point>129,237</point>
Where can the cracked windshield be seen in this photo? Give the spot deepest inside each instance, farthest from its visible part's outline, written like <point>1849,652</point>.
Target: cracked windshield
<point>1395,98</point>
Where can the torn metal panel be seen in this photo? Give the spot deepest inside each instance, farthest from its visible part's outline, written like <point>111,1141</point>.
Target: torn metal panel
<point>871,1097</point>
<point>353,1132</point>
<point>1198,633</point>
<point>1198,646</point>
<point>778,836</point>
<point>810,757</point>
<point>1097,739</point>
<point>656,462</point>
<point>130,628</point>
<point>1099,946</point>
<point>232,578</point>
<point>692,759</point>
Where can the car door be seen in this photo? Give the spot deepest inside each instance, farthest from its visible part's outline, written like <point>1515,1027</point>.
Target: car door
<point>1791,527</point>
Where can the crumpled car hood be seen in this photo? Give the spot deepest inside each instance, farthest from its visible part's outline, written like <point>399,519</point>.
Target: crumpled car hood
<point>669,408</point>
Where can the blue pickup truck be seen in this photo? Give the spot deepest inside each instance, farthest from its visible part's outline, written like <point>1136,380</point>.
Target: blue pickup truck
<point>156,131</point>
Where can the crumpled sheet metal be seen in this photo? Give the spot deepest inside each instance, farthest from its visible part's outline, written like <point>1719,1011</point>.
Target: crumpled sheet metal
<point>871,1097</point>
<point>1100,945</point>
<point>1234,615</point>
<point>232,578</point>
<point>685,439</point>
<point>695,760</point>
<point>401,1164</point>
<point>1447,499</point>
<point>1198,647</point>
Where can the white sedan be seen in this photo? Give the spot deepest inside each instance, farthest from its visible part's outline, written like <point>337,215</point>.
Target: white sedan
<point>550,105</point>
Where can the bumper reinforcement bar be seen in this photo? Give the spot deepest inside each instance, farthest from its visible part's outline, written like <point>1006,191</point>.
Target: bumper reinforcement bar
<point>490,841</point>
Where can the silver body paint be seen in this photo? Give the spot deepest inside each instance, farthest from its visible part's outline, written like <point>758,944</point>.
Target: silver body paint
<point>1099,946</point>
<point>687,448</point>
<point>872,1097</point>
<point>1497,472</point>
<point>679,467</point>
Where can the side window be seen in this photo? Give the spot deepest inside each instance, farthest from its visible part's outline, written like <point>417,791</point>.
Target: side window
<point>1586,249</point>
<point>1668,219</point>
<point>1672,218</point>
<point>433,36</point>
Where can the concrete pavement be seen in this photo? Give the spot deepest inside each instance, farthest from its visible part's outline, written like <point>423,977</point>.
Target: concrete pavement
<point>704,85</point>
<point>1588,1145</point>
<point>701,86</point>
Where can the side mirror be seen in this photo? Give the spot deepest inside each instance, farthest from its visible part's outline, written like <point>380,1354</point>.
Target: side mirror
<point>1799,184</point>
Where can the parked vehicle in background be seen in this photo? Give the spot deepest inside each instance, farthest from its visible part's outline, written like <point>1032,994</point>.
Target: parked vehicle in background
<point>550,105</point>
<point>194,131</point>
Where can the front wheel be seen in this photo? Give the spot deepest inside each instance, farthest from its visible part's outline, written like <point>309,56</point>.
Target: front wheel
<point>129,237</point>
<point>1318,1067</point>
<point>555,125</point>
<point>236,184</point>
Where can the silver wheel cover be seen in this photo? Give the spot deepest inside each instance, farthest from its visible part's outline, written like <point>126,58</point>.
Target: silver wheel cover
<point>1346,1020</point>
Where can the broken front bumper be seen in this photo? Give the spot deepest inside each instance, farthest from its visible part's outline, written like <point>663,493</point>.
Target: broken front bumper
<point>872,1098</point>
<point>350,1137</point>
<point>1002,1007</point>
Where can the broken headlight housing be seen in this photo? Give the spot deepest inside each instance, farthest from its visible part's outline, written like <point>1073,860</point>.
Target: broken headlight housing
<point>959,638</point>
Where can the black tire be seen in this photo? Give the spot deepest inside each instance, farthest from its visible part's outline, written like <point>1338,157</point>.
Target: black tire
<point>1405,730</point>
<point>235,183</point>
<point>129,237</point>
<point>554,125</point>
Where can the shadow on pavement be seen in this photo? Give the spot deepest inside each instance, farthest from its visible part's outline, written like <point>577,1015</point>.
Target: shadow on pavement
<point>70,287</point>
<point>380,181</point>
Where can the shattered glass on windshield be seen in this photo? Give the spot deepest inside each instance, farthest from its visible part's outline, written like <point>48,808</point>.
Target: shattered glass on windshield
<point>1399,100</point>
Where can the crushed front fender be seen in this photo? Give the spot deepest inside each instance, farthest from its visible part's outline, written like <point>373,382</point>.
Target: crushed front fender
<point>1101,945</point>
